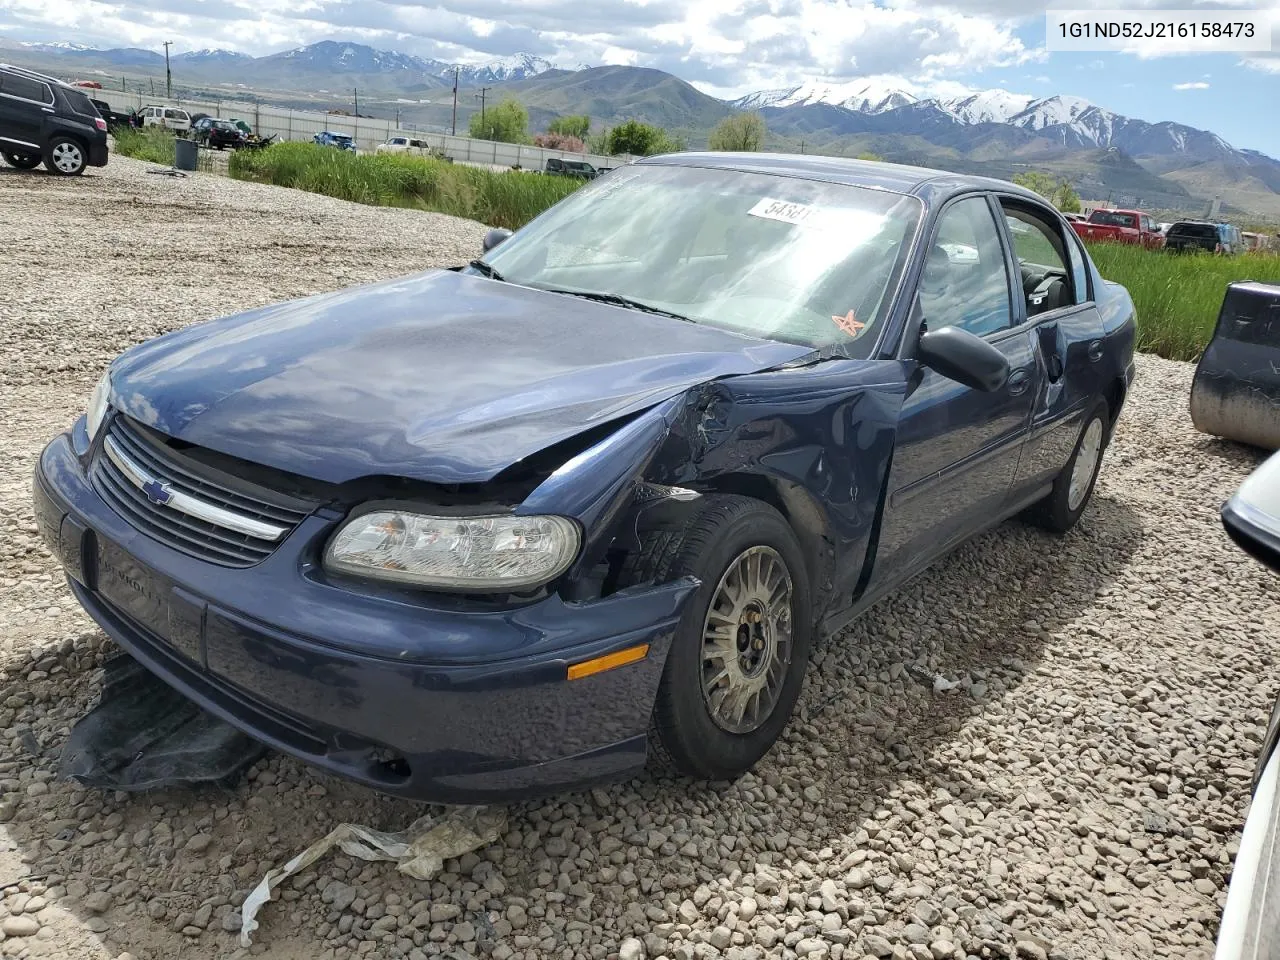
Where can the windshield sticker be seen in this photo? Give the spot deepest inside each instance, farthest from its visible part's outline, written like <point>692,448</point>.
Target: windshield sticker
<point>784,210</point>
<point>849,324</point>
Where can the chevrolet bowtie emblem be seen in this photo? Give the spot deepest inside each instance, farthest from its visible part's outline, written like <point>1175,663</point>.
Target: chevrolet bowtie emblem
<point>157,492</point>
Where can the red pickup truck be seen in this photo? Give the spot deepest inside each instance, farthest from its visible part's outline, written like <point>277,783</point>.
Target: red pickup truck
<point>1120,226</point>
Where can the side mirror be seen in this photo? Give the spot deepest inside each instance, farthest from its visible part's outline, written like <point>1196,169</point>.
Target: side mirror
<point>960,356</point>
<point>495,237</point>
<point>1252,515</point>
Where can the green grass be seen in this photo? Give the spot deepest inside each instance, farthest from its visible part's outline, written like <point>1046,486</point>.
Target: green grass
<point>153,144</point>
<point>1178,296</point>
<point>507,199</point>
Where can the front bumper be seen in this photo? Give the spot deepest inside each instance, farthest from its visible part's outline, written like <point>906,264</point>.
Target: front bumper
<point>464,705</point>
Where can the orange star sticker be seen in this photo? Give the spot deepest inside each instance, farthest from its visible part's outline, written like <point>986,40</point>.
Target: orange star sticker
<point>849,324</point>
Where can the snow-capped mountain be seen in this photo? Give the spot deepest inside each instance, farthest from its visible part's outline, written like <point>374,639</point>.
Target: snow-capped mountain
<point>62,46</point>
<point>1070,121</point>
<point>520,66</point>
<point>989,106</point>
<point>866,95</point>
<point>352,58</point>
<point>212,56</point>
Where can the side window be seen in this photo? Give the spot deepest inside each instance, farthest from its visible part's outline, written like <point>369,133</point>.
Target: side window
<point>27,89</point>
<point>1079,272</point>
<point>965,282</point>
<point>1040,250</point>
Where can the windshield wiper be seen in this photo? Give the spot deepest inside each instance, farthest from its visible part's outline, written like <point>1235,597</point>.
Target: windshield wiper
<point>487,270</point>
<point>619,301</point>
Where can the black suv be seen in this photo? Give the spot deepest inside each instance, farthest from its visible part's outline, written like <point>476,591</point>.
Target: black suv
<point>44,119</point>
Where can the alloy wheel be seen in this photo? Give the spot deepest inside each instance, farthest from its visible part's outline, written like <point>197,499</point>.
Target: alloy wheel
<point>747,640</point>
<point>1086,463</point>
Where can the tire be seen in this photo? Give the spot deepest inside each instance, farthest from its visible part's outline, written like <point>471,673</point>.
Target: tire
<point>687,735</point>
<point>65,157</point>
<point>22,161</point>
<point>1062,508</point>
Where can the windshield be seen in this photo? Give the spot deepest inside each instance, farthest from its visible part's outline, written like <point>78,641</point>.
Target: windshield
<point>1111,219</point>
<point>799,261</point>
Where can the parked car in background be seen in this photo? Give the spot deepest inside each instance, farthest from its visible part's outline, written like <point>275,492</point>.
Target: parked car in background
<point>327,138</point>
<point>219,134</point>
<point>400,144</point>
<point>618,520</point>
<point>1120,226</point>
<point>1258,242</point>
<point>171,118</point>
<point>43,120</point>
<point>114,118</point>
<point>1250,927</point>
<point>1192,235</point>
<point>570,168</point>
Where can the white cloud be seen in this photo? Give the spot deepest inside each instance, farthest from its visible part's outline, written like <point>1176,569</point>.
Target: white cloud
<point>722,45</point>
<point>1194,85</point>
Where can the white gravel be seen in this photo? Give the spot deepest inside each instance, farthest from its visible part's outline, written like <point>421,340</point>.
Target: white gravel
<point>1078,796</point>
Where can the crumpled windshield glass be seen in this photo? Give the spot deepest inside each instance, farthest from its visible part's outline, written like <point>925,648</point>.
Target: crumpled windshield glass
<point>799,261</point>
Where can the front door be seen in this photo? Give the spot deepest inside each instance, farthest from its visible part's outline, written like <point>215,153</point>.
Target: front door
<point>24,103</point>
<point>957,448</point>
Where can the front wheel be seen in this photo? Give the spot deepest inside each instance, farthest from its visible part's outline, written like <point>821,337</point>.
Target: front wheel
<point>65,157</point>
<point>738,656</point>
<point>1061,509</point>
<point>22,161</point>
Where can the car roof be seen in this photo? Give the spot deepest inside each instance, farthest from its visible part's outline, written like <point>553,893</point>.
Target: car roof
<point>33,75</point>
<point>873,174</point>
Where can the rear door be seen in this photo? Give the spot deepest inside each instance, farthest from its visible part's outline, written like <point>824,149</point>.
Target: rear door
<point>24,105</point>
<point>1057,307</point>
<point>957,448</point>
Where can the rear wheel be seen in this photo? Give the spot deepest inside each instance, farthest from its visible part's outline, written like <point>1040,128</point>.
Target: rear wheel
<point>738,656</point>
<point>23,161</point>
<point>1061,509</point>
<point>65,157</point>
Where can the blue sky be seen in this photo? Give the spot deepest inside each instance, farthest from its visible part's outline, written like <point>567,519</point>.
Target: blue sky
<point>725,47</point>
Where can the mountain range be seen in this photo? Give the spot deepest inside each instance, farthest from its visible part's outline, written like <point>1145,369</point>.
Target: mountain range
<point>1106,155</point>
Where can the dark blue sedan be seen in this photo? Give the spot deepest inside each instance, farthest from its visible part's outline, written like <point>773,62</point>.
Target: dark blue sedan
<point>517,526</point>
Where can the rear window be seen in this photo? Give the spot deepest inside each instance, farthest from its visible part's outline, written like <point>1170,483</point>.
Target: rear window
<point>16,86</point>
<point>1206,230</point>
<point>1109,219</point>
<point>80,103</point>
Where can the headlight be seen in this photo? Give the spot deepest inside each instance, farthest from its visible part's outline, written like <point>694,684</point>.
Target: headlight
<point>461,553</point>
<point>96,408</point>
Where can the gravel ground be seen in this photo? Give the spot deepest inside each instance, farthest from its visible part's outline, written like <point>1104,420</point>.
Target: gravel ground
<point>1078,796</point>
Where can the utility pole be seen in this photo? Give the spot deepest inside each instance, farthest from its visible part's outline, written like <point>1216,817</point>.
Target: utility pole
<point>802,146</point>
<point>356,94</point>
<point>454,128</point>
<point>153,85</point>
<point>168,76</point>
<point>481,95</point>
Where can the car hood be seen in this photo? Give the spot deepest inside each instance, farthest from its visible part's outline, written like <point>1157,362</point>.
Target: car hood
<point>440,376</point>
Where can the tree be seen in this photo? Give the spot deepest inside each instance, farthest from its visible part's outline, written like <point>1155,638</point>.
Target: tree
<point>870,156</point>
<point>740,131</point>
<point>573,126</point>
<point>640,139</point>
<point>1054,189</point>
<point>508,122</point>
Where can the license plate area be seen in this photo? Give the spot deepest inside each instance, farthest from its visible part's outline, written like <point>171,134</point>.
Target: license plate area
<point>150,600</point>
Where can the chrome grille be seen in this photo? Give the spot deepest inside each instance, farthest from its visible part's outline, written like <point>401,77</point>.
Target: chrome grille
<point>180,504</point>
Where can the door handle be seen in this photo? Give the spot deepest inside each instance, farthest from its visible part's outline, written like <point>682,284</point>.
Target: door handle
<point>1018,382</point>
<point>1095,351</point>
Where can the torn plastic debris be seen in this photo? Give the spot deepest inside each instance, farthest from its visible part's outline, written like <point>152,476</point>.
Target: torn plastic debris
<point>420,850</point>
<point>143,735</point>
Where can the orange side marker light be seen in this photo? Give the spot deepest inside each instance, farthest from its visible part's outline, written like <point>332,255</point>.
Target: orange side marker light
<point>610,660</point>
